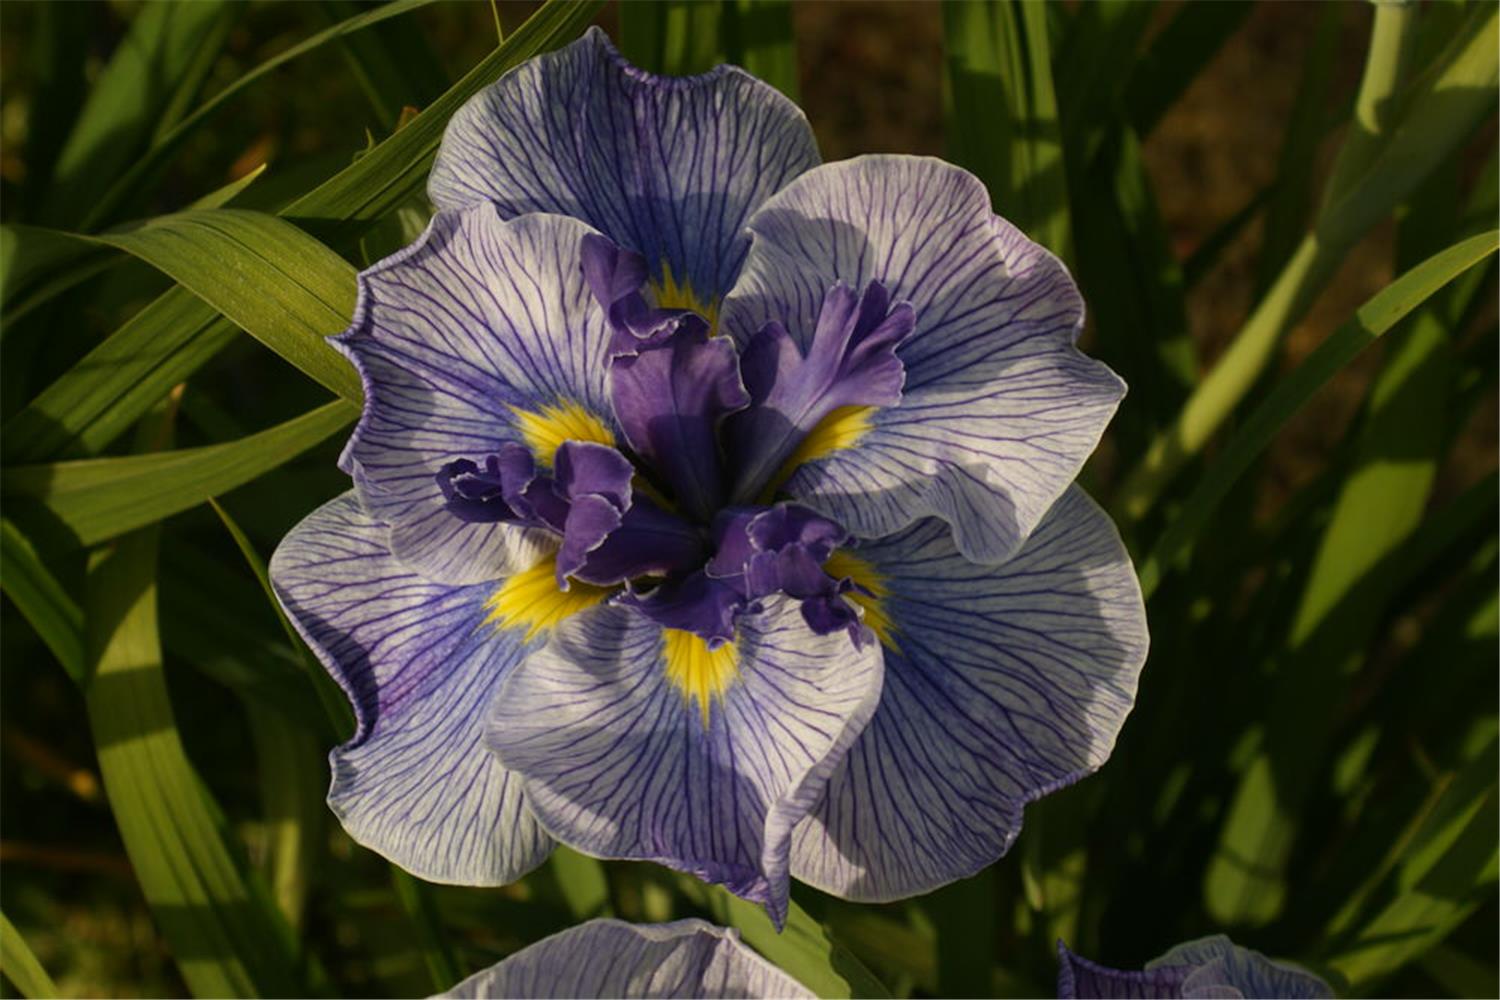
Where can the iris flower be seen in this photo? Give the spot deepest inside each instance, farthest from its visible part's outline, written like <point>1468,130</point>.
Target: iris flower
<point>1209,967</point>
<point>712,506</point>
<point>610,958</point>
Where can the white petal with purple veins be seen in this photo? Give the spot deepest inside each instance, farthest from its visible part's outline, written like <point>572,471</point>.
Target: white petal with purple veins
<point>1006,682</point>
<point>999,409</point>
<point>415,783</point>
<point>610,958</point>
<point>478,319</point>
<point>618,763</point>
<point>667,167</point>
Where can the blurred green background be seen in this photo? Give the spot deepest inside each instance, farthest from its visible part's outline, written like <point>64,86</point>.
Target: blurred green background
<point>1311,767</point>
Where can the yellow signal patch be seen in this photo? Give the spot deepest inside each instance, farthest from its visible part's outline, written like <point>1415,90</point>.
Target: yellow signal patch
<point>700,674</point>
<point>673,295</point>
<point>841,429</point>
<point>546,429</point>
<point>531,600</point>
<point>846,564</point>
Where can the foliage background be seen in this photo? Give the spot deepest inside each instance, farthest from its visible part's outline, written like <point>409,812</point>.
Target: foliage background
<point>1311,765</point>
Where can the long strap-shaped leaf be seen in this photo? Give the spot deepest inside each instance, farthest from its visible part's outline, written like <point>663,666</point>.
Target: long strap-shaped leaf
<point>20,965</point>
<point>280,285</point>
<point>43,601</point>
<point>223,930</point>
<point>109,389</point>
<point>1374,318</point>
<point>100,498</point>
<point>1441,113</point>
<point>156,157</point>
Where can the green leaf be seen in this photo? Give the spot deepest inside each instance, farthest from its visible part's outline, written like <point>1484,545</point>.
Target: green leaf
<point>293,784</point>
<point>335,703</point>
<point>1441,112</point>
<point>280,285</point>
<point>100,498</point>
<point>42,600</point>
<point>126,186</point>
<point>162,345</point>
<point>965,917</point>
<point>760,36</point>
<point>1291,195</point>
<point>1134,287</point>
<point>227,938</point>
<point>155,71</point>
<point>1175,57</point>
<point>415,897</point>
<point>1445,868</point>
<point>394,66</point>
<point>1002,119</point>
<point>675,37</point>
<point>1373,319</point>
<point>802,949</point>
<point>581,882</point>
<point>20,965</point>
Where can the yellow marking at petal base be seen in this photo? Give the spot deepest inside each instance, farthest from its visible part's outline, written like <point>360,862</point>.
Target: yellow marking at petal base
<point>530,599</point>
<point>546,429</point>
<point>841,429</point>
<point>845,564</point>
<point>699,673</point>
<point>671,295</point>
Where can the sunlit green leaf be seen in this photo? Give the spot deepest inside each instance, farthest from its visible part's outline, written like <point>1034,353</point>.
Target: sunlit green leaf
<point>20,965</point>
<point>1002,118</point>
<point>167,341</point>
<point>99,498</point>
<point>226,937</point>
<point>760,36</point>
<point>1372,320</point>
<point>277,283</point>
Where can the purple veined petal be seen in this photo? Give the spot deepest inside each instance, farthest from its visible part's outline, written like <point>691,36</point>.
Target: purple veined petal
<point>1002,684</point>
<point>668,167</point>
<point>414,784</point>
<point>1219,967</point>
<point>611,958</point>
<point>1080,979</point>
<point>999,409</point>
<point>456,338</point>
<point>631,748</point>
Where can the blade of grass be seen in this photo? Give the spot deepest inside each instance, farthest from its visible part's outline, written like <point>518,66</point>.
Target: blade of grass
<point>227,939</point>
<point>42,601</point>
<point>156,69</point>
<point>99,498</point>
<point>675,37</point>
<point>335,703</point>
<point>394,67</point>
<point>170,339</point>
<point>274,281</point>
<point>127,185</point>
<point>760,36</point>
<point>1373,319</point>
<point>415,897</point>
<point>803,949</point>
<point>1174,58</point>
<point>581,882</point>
<point>20,966</point>
<point>1442,111</point>
<point>1001,113</point>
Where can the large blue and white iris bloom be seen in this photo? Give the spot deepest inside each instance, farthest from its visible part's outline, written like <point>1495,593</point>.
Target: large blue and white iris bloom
<point>1208,967</point>
<point>711,506</point>
<point>611,958</point>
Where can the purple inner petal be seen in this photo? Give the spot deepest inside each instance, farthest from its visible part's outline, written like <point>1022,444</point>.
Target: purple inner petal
<point>851,361</point>
<point>671,383</point>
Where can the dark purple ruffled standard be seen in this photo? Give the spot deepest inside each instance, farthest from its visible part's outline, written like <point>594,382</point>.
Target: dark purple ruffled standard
<point>710,506</point>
